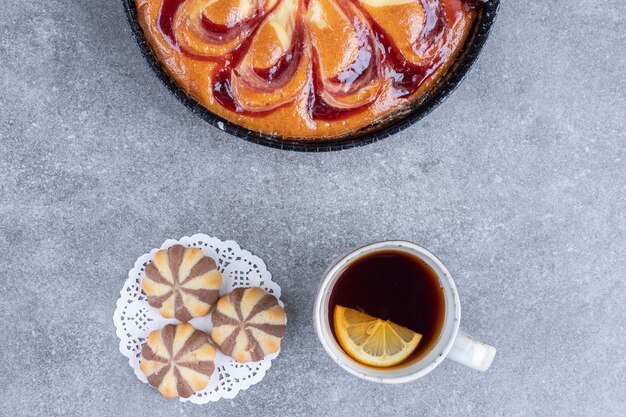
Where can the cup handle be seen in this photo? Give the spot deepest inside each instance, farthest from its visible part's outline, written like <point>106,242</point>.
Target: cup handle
<point>472,352</point>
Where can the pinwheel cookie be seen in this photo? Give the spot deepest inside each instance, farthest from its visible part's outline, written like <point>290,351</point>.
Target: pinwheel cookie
<point>182,283</point>
<point>311,69</point>
<point>248,324</point>
<point>178,360</point>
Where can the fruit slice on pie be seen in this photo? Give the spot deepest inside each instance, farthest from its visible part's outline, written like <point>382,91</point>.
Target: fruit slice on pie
<point>373,341</point>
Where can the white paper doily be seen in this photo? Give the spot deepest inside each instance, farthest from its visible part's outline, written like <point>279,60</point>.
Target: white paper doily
<point>134,318</point>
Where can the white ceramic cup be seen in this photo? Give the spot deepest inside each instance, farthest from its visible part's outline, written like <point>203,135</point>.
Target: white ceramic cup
<point>452,343</point>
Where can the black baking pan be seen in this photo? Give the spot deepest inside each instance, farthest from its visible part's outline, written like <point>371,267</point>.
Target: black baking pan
<point>380,130</point>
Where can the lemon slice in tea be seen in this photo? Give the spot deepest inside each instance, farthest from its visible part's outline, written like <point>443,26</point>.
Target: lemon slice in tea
<point>373,341</point>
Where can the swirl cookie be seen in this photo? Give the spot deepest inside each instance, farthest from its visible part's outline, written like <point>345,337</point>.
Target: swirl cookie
<point>182,283</point>
<point>248,324</point>
<point>178,360</point>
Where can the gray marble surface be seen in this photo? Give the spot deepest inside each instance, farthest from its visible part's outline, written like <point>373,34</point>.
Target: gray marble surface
<point>517,182</point>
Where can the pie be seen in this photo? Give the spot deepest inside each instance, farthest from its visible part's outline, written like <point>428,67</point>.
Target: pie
<point>306,69</point>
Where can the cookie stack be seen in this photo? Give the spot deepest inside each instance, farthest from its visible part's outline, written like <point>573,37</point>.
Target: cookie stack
<point>183,283</point>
